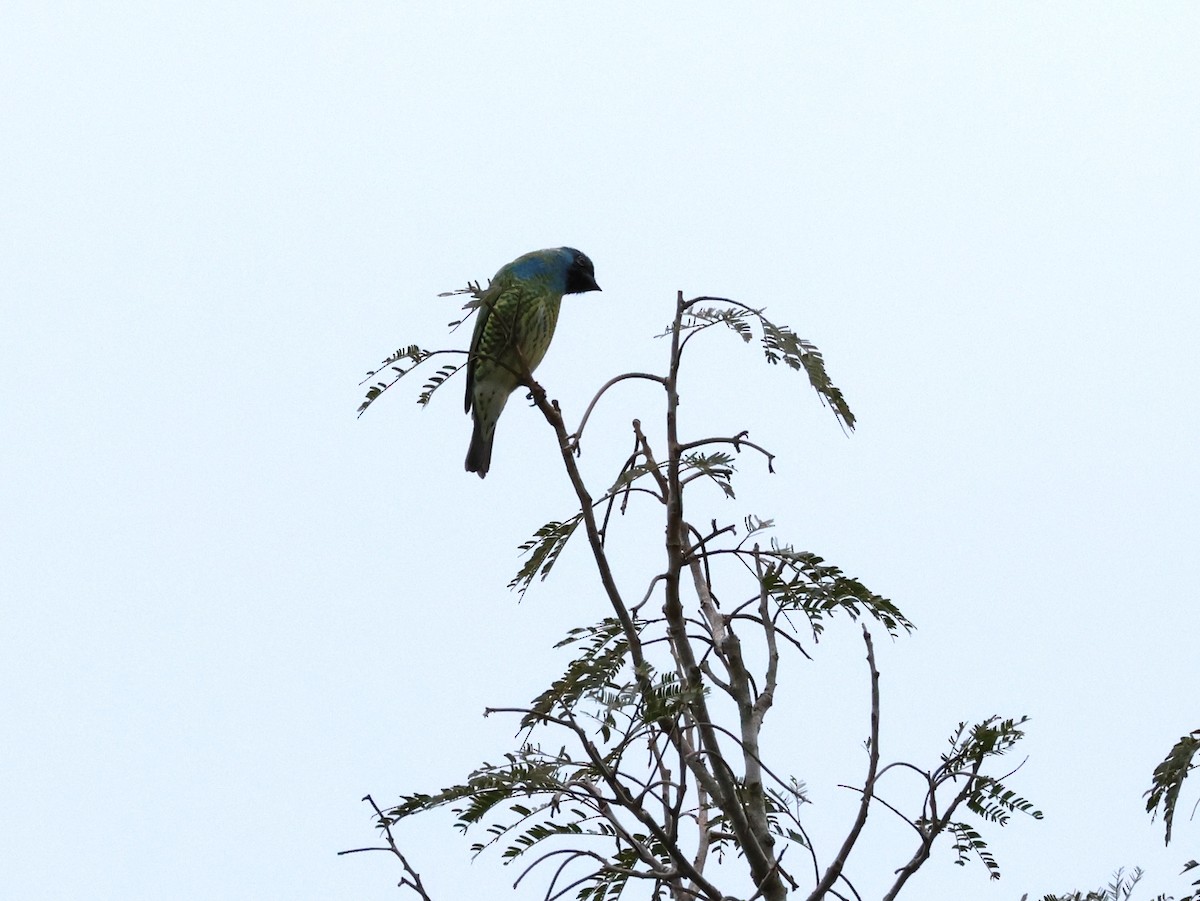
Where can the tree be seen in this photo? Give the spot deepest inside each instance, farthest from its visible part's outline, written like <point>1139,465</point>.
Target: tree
<point>640,767</point>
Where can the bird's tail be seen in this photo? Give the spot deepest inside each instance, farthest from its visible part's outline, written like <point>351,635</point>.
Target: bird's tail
<point>479,454</point>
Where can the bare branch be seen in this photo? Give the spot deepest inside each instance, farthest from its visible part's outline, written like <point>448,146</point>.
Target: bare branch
<point>578,433</point>
<point>932,830</point>
<point>646,596</point>
<point>720,781</point>
<point>737,441</point>
<point>554,417</point>
<point>413,879</point>
<point>763,703</point>
<point>839,862</point>
<point>880,800</point>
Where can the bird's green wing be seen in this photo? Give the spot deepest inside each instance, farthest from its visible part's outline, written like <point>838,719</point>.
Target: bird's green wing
<point>494,333</point>
<point>482,312</point>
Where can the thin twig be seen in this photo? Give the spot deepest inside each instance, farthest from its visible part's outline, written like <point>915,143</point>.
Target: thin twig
<point>737,441</point>
<point>413,879</point>
<point>839,862</point>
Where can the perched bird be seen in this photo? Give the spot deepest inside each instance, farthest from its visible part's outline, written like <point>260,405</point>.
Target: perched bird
<point>517,314</point>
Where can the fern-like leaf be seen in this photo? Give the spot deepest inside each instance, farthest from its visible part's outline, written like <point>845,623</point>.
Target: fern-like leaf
<point>782,345</point>
<point>996,804</point>
<point>717,466</point>
<point>596,668</point>
<point>1187,868</point>
<point>412,353</point>
<point>799,580</point>
<point>1168,779</point>
<point>436,381</point>
<point>543,550</point>
<point>968,842</point>
<point>699,318</point>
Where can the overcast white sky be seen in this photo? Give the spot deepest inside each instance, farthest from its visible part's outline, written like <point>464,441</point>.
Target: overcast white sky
<point>230,609</point>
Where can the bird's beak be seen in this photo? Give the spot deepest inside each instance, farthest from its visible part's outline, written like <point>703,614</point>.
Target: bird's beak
<point>581,283</point>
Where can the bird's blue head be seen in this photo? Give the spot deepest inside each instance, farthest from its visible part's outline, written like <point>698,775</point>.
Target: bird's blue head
<point>566,265</point>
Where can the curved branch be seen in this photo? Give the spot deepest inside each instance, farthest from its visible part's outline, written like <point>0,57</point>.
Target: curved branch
<point>392,360</point>
<point>778,634</point>
<point>931,832</point>
<point>701,541</point>
<point>902,816</point>
<point>710,299</point>
<point>649,591</point>
<point>766,769</point>
<point>578,433</point>
<point>693,331</point>
<point>737,441</point>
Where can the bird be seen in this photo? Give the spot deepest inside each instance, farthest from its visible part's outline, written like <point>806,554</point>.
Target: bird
<point>516,318</point>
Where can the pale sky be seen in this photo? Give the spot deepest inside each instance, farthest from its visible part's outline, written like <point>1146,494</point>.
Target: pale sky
<point>230,609</point>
